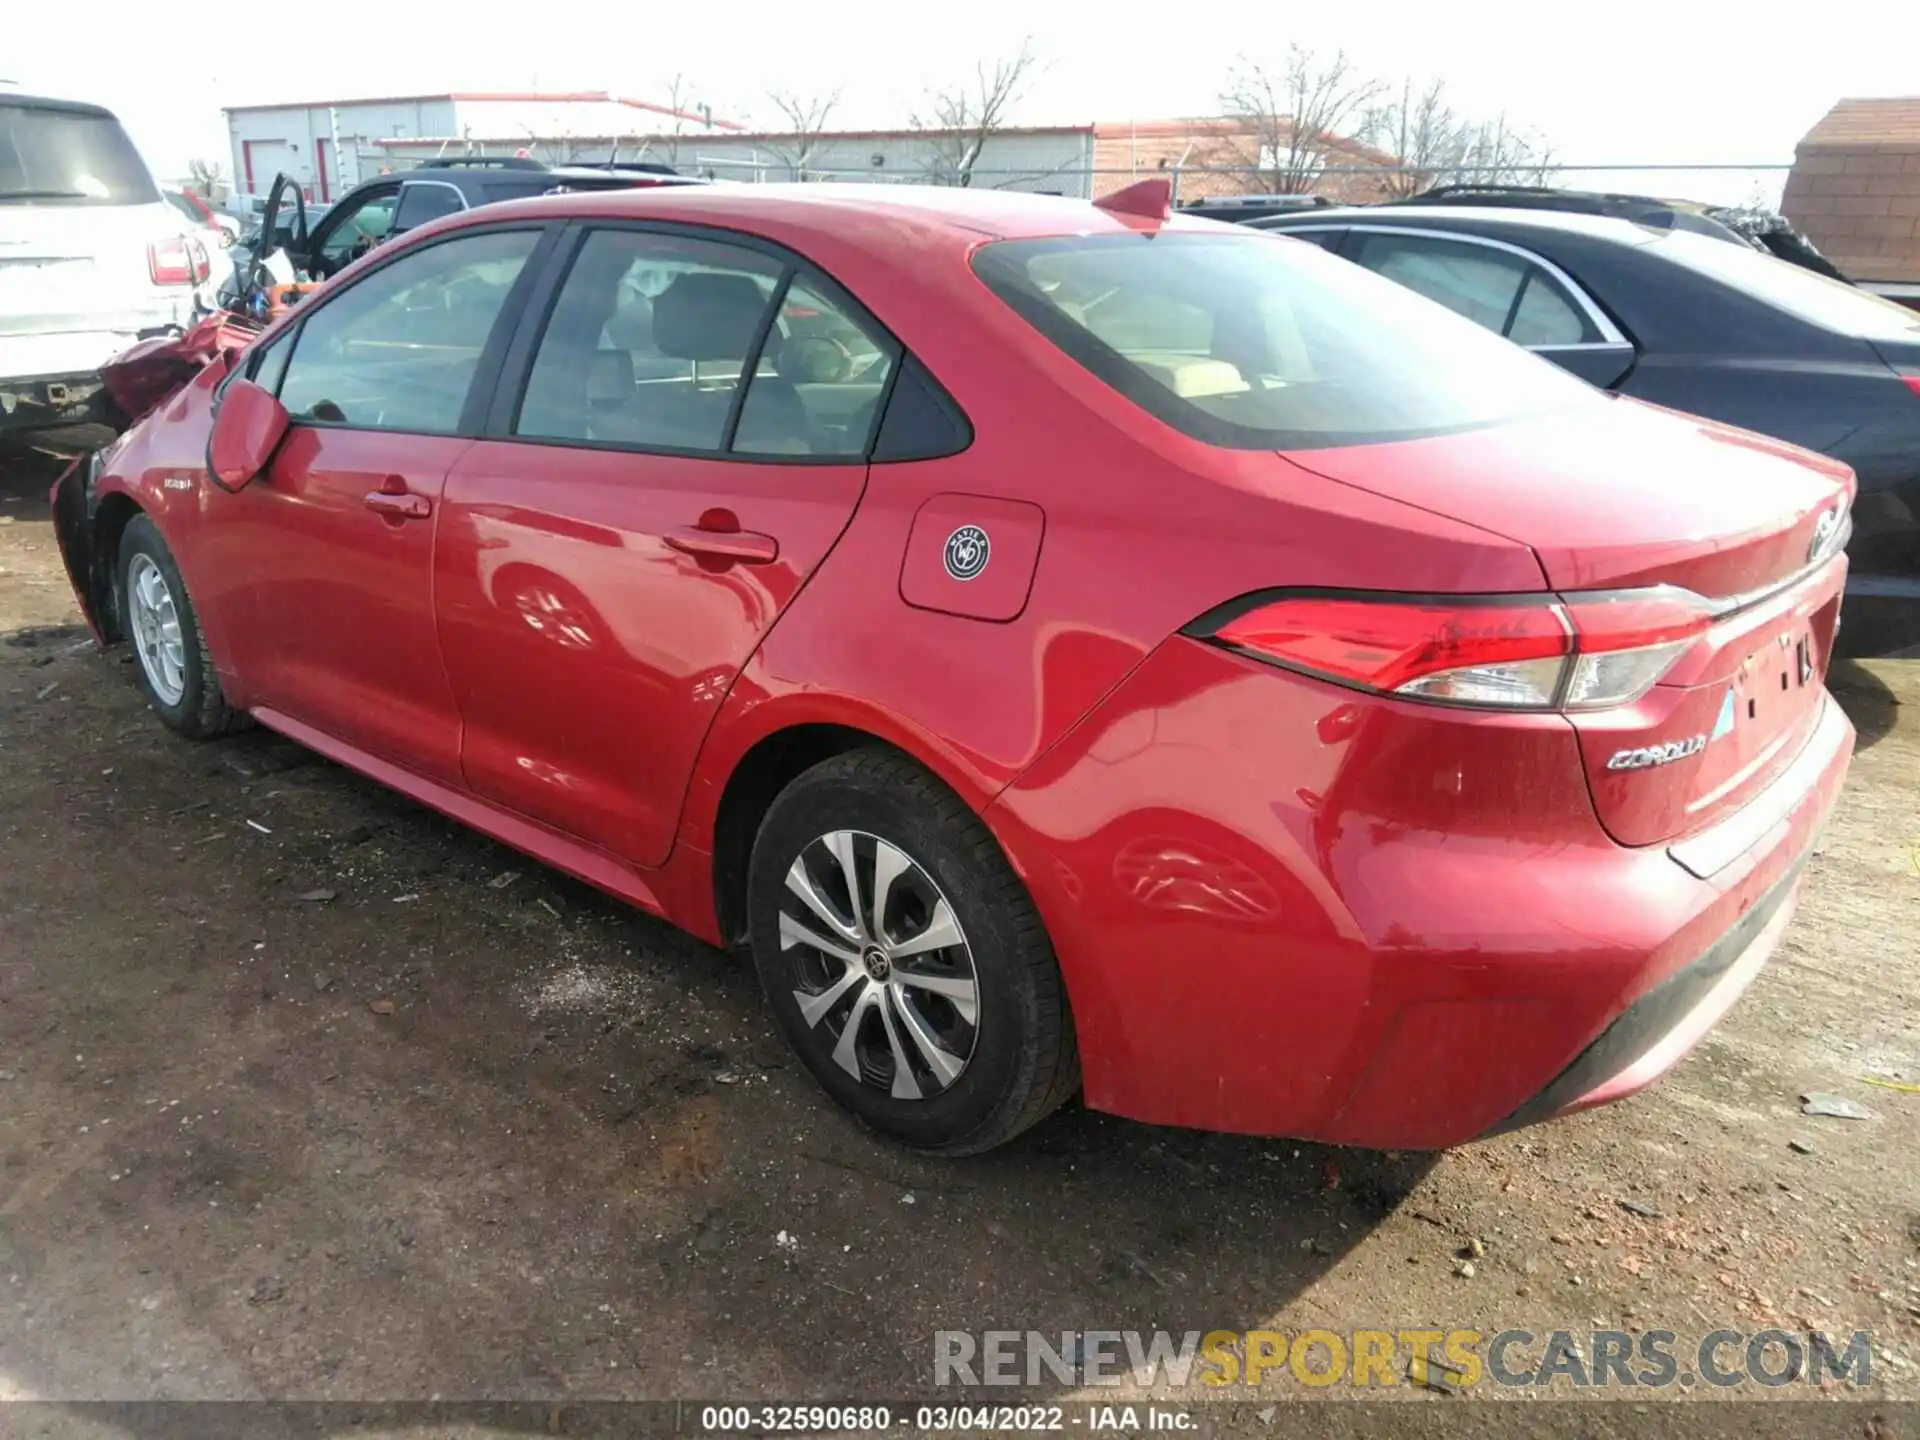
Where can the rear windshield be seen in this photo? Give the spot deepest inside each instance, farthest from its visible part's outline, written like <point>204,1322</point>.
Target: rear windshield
<point>1830,304</point>
<point>53,156</point>
<point>1257,343</point>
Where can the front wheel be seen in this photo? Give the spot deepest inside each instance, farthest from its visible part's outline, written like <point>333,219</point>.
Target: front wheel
<point>158,616</point>
<point>904,959</point>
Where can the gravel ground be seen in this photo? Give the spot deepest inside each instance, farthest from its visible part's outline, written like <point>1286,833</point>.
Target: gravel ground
<point>308,1093</point>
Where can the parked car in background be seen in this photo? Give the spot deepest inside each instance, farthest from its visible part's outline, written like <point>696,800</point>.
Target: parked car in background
<point>1238,209</point>
<point>92,258</point>
<point>1160,653</point>
<point>394,204</point>
<point>1687,320</point>
<point>223,228</point>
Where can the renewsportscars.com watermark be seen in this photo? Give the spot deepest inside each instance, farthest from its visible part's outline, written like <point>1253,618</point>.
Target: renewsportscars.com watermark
<point>1376,1359</point>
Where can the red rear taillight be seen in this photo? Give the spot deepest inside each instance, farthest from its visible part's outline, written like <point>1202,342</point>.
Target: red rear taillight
<point>170,261</point>
<point>1913,382</point>
<point>1536,652</point>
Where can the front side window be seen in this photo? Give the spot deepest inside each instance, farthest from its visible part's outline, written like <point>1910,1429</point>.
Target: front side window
<point>650,338</point>
<point>1243,343</point>
<point>399,349</point>
<point>357,232</point>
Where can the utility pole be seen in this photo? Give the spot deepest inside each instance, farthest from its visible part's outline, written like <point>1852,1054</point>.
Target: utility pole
<point>333,139</point>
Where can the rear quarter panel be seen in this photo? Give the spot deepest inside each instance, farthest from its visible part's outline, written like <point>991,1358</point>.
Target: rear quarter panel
<point>1144,531</point>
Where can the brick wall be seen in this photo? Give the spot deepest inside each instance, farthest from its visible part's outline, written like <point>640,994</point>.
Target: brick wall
<point>1216,157</point>
<point>1860,203</point>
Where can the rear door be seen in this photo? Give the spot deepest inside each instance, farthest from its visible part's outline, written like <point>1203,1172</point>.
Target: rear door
<point>328,556</point>
<point>1504,288</point>
<point>638,516</point>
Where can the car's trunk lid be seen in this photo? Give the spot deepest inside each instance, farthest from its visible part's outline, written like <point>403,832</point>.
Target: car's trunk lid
<point>1631,498</point>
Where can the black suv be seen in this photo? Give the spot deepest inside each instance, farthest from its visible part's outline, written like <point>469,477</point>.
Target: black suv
<point>394,204</point>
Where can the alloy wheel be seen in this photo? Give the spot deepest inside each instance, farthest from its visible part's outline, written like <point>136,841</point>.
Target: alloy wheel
<point>156,630</point>
<point>883,975</point>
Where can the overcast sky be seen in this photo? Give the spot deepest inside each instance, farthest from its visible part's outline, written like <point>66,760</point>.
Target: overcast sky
<point>1631,81</point>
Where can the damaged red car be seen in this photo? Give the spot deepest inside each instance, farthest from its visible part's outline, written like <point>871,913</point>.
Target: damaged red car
<point>1072,648</point>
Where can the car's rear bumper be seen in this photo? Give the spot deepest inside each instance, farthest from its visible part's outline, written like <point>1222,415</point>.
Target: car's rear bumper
<point>53,379</point>
<point>39,402</point>
<point>1286,909</point>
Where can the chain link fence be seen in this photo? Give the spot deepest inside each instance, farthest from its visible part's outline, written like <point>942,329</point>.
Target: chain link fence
<point>1745,185</point>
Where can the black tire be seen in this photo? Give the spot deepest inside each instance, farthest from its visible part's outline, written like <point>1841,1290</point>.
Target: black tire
<point>1022,1063</point>
<point>200,712</point>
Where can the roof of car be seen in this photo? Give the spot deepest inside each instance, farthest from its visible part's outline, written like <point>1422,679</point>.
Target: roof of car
<point>996,214</point>
<point>1467,217</point>
<point>54,102</point>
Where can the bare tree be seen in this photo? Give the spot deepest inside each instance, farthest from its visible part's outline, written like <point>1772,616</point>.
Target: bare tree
<point>956,122</point>
<point>1296,114</point>
<point>1494,152</point>
<point>806,118</point>
<point>679,99</point>
<point>209,177</point>
<point>1421,131</point>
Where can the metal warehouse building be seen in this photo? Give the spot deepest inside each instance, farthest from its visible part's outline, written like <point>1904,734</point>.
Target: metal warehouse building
<point>330,146</point>
<point>327,147</point>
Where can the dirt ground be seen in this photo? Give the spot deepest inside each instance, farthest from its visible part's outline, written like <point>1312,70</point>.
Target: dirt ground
<point>306,1092</point>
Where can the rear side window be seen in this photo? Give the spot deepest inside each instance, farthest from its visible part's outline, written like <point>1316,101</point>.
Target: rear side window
<point>1504,292</point>
<point>50,155</point>
<point>650,342</point>
<point>1243,343</point>
<point>421,203</point>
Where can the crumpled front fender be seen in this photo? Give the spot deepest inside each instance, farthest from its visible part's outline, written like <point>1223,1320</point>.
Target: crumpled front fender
<point>141,378</point>
<point>72,502</point>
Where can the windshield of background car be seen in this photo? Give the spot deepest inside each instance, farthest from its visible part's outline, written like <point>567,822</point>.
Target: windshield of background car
<point>1257,343</point>
<point>1830,304</point>
<point>54,156</point>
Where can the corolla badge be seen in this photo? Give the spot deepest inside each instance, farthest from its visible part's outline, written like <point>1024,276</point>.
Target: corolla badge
<point>1824,530</point>
<point>1651,755</point>
<point>967,551</point>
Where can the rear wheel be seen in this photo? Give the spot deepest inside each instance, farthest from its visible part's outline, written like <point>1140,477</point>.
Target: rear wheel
<point>903,958</point>
<point>158,616</point>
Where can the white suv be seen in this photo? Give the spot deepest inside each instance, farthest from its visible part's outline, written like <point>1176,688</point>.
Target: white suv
<point>92,259</point>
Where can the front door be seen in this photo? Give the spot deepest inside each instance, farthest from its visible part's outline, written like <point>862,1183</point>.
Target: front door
<point>610,557</point>
<point>334,543</point>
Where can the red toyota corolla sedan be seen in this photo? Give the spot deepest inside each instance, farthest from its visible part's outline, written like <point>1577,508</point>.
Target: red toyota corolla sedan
<point>1071,647</point>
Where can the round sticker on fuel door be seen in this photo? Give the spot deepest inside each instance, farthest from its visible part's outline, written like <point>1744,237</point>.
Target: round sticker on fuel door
<point>966,552</point>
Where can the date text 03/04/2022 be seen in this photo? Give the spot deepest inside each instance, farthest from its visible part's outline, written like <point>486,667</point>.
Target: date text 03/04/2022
<point>876,1419</point>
